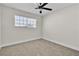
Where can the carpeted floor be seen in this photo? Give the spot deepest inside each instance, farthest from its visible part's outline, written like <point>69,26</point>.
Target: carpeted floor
<point>38,47</point>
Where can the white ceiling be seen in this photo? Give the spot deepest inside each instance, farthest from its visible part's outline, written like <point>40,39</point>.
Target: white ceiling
<point>30,7</point>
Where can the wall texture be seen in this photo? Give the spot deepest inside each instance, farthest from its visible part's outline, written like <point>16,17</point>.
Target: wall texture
<point>0,23</point>
<point>63,27</point>
<point>12,34</point>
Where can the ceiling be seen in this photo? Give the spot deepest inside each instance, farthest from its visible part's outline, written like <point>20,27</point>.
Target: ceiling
<point>30,7</point>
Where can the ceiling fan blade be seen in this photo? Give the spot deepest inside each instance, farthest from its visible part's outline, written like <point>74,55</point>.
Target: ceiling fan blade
<point>39,6</point>
<point>36,8</point>
<point>47,9</point>
<point>43,5</point>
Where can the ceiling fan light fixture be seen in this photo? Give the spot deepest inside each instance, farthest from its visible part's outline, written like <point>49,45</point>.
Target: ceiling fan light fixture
<point>40,11</point>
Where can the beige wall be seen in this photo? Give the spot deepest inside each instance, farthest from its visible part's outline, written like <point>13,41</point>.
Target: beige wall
<point>0,23</point>
<point>63,27</point>
<point>12,34</point>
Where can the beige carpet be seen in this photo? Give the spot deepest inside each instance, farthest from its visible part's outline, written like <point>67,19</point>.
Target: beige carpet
<point>38,47</point>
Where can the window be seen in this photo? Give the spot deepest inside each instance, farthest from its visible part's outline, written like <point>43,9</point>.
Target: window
<point>24,21</point>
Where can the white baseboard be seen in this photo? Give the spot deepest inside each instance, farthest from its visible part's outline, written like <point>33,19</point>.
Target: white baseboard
<point>4,45</point>
<point>62,44</point>
<point>65,45</point>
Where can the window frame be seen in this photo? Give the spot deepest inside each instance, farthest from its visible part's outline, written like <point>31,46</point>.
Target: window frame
<point>32,22</point>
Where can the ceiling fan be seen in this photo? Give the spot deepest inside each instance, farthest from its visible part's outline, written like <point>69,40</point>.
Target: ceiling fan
<point>42,7</point>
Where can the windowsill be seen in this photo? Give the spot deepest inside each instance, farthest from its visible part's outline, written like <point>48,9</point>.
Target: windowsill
<point>25,27</point>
